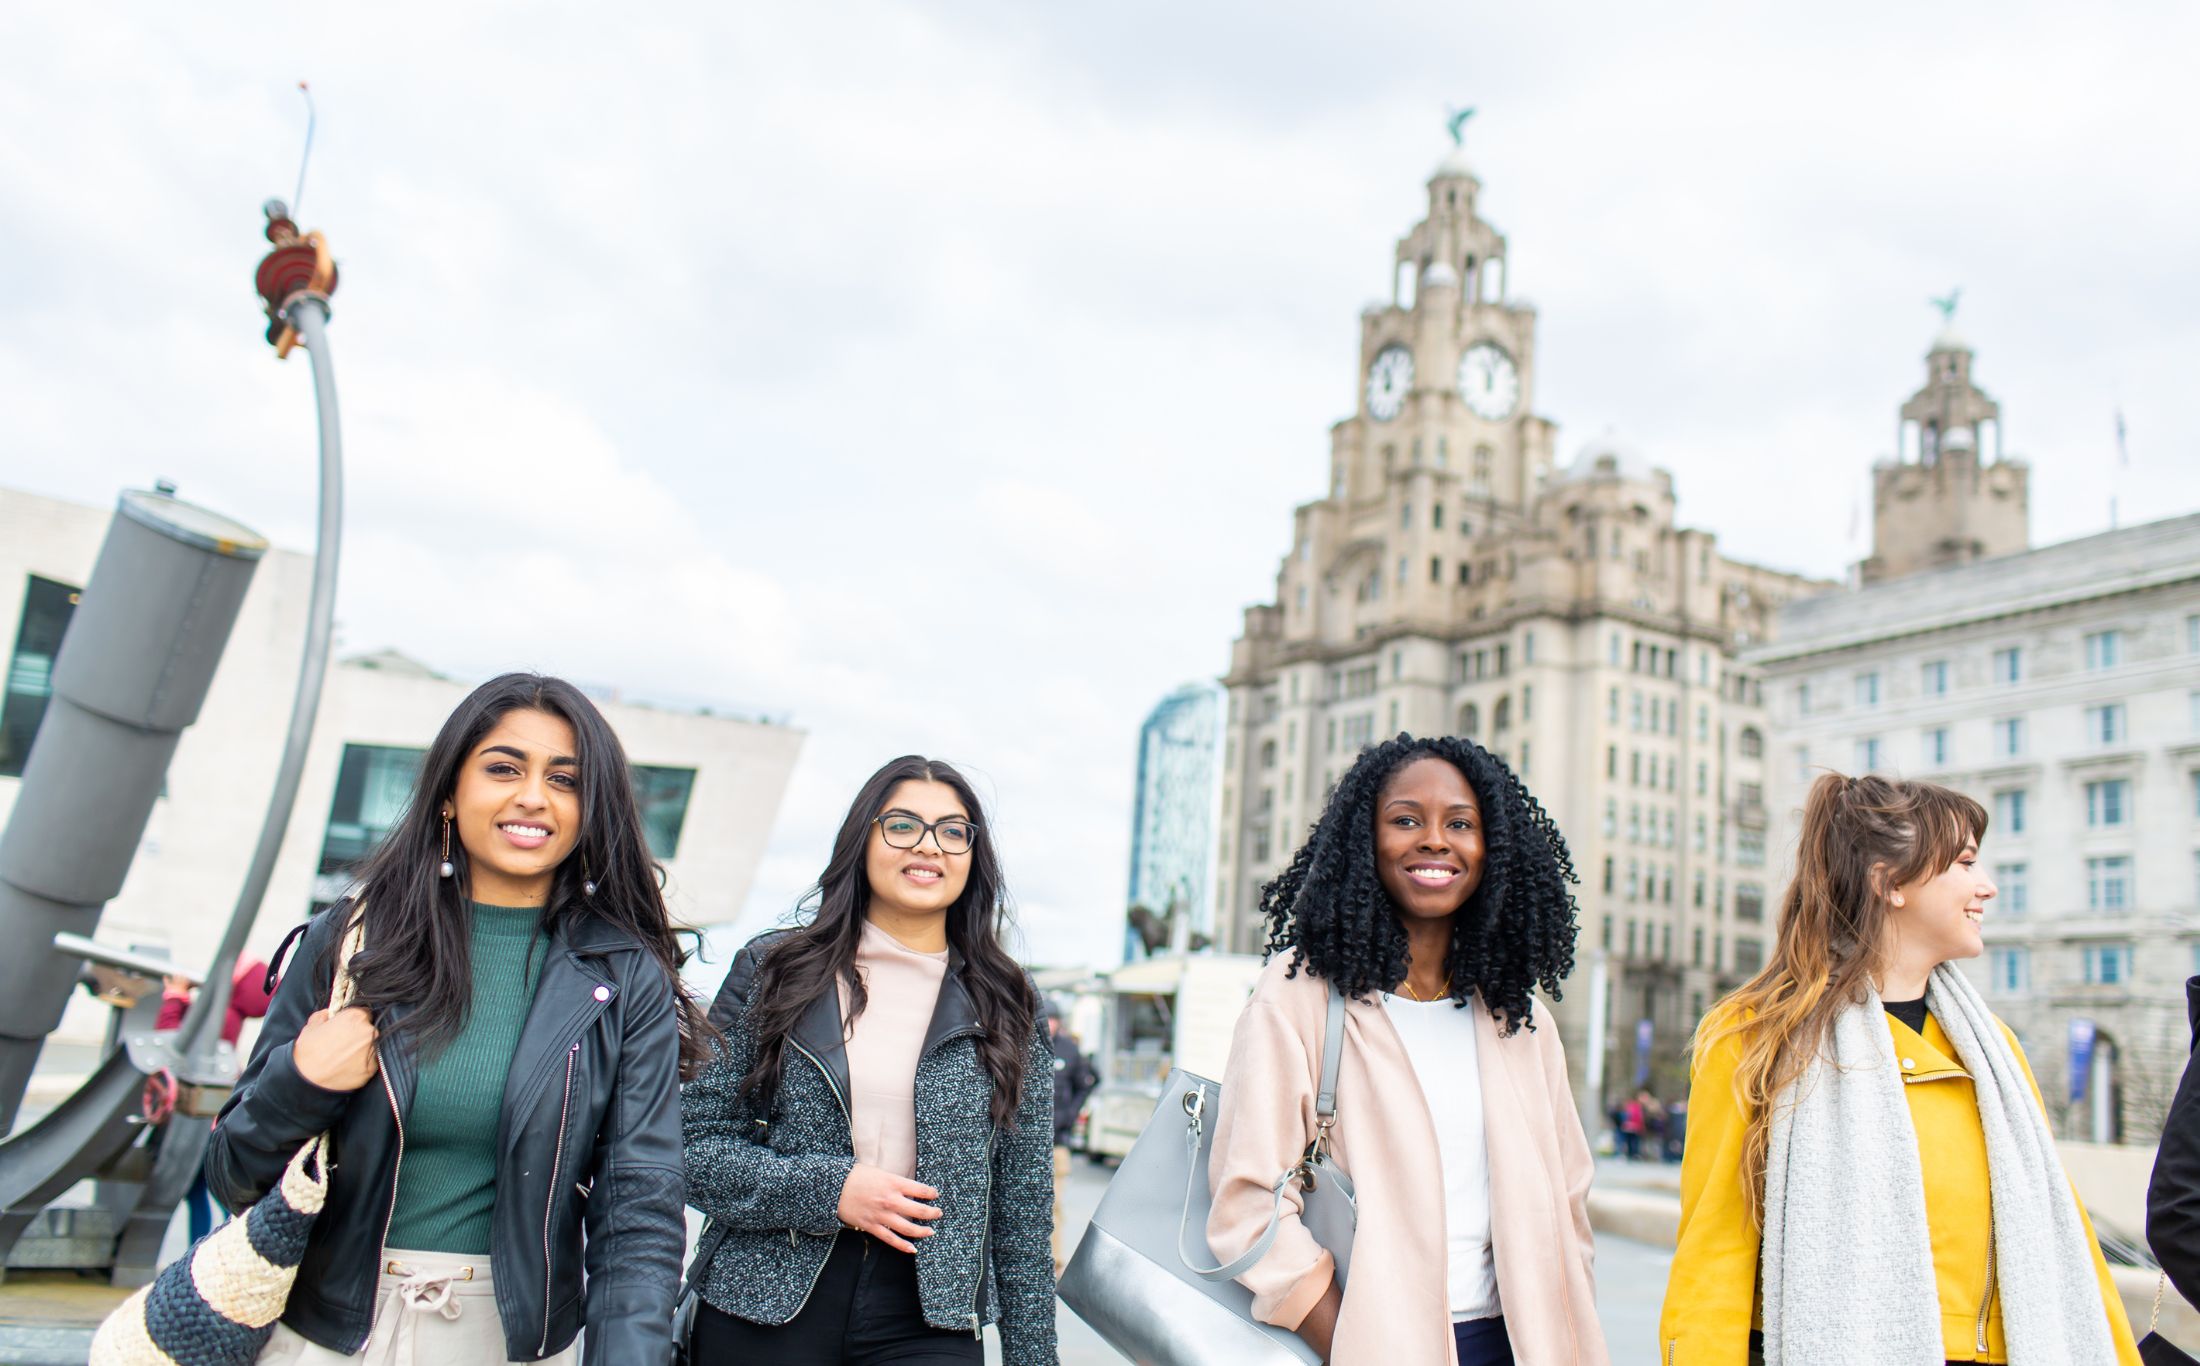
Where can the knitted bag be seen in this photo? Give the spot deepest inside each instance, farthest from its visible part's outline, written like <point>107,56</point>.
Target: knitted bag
<point>217,1304</point>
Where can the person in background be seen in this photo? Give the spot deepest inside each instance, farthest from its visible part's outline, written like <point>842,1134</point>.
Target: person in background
<point>1676,1129</point>
<point>2173,1196</point>
<point>248,998</point>
<point>1074,1079</point>
<point>1634,1121</point>
<point>1871,1177</point>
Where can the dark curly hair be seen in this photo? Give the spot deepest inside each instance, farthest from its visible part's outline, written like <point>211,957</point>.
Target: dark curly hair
<point>1514,934</point>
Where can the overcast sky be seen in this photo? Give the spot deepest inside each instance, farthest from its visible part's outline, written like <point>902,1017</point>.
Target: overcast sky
<point>941,377</point>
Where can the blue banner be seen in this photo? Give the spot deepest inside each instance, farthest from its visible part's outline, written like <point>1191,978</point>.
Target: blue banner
<point>2081,1057</point>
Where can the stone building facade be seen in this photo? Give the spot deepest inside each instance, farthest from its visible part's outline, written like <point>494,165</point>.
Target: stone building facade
<point>1453,579</point>
<point>2061,688</point>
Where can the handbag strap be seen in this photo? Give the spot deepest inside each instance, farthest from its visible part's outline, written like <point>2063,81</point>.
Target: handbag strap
<point>1325,1116</point>
<point>355,935</point>
<point>706,1247</point>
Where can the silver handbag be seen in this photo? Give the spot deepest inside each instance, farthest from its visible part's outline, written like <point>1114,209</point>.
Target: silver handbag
<point>1139,1276</point>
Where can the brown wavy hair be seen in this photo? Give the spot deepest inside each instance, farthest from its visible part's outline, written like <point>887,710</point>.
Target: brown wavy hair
<point>1861,839</point>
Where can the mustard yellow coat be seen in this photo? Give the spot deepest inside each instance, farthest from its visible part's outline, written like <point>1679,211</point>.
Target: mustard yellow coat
<point>1710,1294</point>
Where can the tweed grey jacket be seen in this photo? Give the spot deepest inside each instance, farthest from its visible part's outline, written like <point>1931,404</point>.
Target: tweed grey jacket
<point>772,1178</point>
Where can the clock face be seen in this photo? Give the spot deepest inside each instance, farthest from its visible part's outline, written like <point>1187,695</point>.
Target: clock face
<point>1388,379</point>
<point>1489,381</point>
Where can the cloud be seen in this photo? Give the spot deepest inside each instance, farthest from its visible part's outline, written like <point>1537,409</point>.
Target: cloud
<point>943,377</point>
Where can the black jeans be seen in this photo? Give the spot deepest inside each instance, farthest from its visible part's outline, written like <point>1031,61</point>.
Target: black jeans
<point>1483,1342</point>
<point>863,1312</point>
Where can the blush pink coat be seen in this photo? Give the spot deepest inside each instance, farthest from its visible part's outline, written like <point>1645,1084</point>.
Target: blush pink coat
<point>1395,1310</point>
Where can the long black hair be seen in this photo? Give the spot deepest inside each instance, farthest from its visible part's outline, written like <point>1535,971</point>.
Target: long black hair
<point>807,963</point>
<point>419,923</point>
<point>1515,933</point>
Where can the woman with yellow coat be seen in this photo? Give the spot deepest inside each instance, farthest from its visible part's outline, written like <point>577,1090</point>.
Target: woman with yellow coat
<point>1869,1176</point>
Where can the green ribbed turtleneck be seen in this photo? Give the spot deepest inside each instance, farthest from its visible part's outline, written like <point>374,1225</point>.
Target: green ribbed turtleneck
<point>447,1185</point>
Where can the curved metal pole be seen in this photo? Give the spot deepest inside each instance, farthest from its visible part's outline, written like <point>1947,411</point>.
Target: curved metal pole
<point>308,313</point>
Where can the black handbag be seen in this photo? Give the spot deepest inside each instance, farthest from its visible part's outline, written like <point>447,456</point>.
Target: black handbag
<point>2156,1350</point>
<point>684,1308</point>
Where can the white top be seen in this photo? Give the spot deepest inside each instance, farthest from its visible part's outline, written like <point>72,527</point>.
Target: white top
<point>903,985</point>
<point>1439,1039</point>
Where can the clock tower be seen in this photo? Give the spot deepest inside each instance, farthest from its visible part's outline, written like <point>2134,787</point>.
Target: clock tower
<point>1447,367</point>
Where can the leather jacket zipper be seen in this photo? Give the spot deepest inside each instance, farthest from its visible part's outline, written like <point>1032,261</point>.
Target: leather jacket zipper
<point>549,1203</point>
<point>849,1118</point>
<point>390,1216</point>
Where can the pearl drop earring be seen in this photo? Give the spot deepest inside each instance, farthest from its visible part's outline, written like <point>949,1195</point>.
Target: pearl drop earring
<point>446,868</point>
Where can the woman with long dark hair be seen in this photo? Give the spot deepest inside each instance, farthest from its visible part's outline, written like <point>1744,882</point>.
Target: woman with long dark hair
<point>1869,1174</point>
<point>1433,896</point>
<point>875,1136</point>
<point>503,1091</point>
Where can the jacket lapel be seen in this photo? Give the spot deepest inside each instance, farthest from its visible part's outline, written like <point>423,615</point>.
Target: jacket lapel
<point>571,993</point>
<point>820,1034</point>
<point>953,1011</point>
<point>1527,1227</point>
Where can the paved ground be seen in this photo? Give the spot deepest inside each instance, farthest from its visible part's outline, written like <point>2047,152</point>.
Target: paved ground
<point>1630,1278</point>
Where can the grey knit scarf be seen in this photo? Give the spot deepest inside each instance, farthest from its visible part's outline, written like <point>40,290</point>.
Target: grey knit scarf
<point>1848,1262</point>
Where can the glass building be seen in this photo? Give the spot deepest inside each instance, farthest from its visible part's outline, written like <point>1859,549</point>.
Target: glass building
<point>1172,828</point>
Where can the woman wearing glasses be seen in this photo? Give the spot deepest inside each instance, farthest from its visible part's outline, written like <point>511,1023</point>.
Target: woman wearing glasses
<point>875,1137</point>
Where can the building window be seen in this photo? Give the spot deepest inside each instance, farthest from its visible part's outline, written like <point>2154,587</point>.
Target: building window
<point>662,795</point>
<point>1802,699</point>
<point>2106,802</point>
<point>2008,737</point>
<point>1439,511</point>
<point>373,783</point>
<point>2104,725</point>
<point>47,607</point>
<point>1936,678</point>
<point>1527,647</point>
<point>1749,902</point>
<point>2192,635</point>
<point>1749,848</point>
<point>2108,883</point>
<point>2009,971</point>
<point>1703,778</point>
<point>1634,824</point>
<point>1751,742</point>
<point>1611,762</point>
<point>1867,689</point>
<point>1701,841</point>
<point>1695,952</point>
<point>2009,810</point>
<point>1634,879</point>
<point>1611,706</point>
<point>1634,711</point>
<point>1749,955</point>
<point>1607,889</point>
<point>2104,649</point>
<point>2107,965</point>
<point>1867,755</point>
<point>1611,819</point>
<point>1936,746</point>
<point>2016,893</point>
<point>2009,665</point>
<point>1703,723</point>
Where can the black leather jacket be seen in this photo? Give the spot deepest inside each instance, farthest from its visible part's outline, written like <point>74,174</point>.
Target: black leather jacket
<point>590,1139</point>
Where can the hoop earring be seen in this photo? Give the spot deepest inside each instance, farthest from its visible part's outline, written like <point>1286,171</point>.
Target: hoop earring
<point>446,868</point>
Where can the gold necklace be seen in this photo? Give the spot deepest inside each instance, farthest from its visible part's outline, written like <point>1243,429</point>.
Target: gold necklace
<point>1442,992</point>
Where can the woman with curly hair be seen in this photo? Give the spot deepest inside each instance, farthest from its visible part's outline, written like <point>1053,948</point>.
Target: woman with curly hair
<point>1870,1176</point>
<point>1433,896</point>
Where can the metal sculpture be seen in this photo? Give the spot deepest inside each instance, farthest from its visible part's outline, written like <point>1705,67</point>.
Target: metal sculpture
<point>133,671</point>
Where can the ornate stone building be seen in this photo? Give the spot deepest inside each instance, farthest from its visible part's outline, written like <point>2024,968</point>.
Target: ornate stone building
<point>1452,579</point>
<point>2061,688</point>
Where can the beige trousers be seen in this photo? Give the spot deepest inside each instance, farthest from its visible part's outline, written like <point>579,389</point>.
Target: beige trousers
<point>431,1309</point>
<point>1061,1183</point>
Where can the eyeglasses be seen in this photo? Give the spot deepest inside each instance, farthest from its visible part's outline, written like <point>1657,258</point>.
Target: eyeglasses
<point>902,831</point>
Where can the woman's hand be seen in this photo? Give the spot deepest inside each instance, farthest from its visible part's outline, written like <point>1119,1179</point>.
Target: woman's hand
<point>336,1052</point>
<point>887,1206</point>
<point>1319,1327</point>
